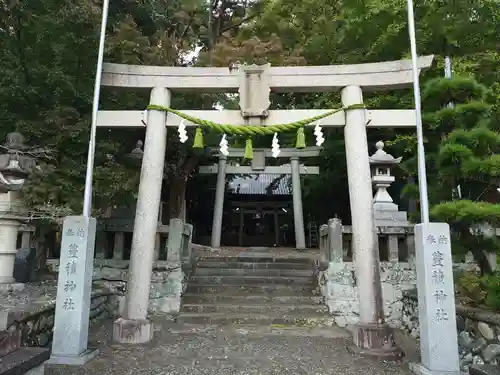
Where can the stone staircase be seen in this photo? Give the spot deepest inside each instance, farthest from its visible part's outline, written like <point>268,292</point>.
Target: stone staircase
<point>256,289</point>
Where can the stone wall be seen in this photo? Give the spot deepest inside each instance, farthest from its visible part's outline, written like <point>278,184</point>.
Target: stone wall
<point>168,282</point>
<point>27,317</point>
<point>478,331</point>
<point>338,285</point>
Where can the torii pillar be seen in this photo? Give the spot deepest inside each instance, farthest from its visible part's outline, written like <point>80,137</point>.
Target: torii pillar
<point>371,334</point>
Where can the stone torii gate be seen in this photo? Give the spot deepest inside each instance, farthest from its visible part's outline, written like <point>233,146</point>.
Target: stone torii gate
<point>251,82</point>
<point>259,166</point>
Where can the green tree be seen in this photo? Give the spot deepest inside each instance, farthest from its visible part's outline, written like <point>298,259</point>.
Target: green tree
<point>375,30</point>
<point>46,93</point>
<point>468,157</point>
<point>462,155</point>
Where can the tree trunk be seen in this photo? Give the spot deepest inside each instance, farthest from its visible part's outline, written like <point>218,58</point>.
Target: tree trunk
<point>177,199</point>
<point>39,270</point>
<point>482,261</point>
<point>471,242</point>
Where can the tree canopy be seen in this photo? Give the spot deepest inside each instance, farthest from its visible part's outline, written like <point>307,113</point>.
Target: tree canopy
<point>49,52</point>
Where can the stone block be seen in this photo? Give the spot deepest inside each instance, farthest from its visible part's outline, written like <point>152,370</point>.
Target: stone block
<point>390,218</point>
<point>174,242</point>
<point>132,331</point>
<point>23,360</point>
<point>74,290</point>
<point>166,305</point>
<point>71,360</point>
<point>484,370</point>
<point>10,340</point>
<point>7,288</point>
<point>24,264</point>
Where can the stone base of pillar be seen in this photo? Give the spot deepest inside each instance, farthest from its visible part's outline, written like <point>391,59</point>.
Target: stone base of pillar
<point>128,331</point>
<point>420,369</point>
<point>7,279</point>
<point>56,361</point>
<point>375,340</point>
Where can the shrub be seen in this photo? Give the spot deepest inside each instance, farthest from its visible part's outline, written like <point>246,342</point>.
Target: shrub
<point>479,291</point>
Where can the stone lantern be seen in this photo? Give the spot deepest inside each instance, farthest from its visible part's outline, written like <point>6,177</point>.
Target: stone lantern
<point>385,210</point>
<point>15,167</point>
<point>137,153</point>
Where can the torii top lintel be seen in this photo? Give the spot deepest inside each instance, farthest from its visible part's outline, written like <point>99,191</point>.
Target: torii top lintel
<point>371,77</point>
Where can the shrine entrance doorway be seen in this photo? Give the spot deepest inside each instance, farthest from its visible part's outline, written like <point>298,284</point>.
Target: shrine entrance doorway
<point>260,224</point>
<point>260,180</point>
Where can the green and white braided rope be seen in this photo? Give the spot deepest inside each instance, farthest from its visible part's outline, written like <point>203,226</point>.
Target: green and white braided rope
<point>251,130</point>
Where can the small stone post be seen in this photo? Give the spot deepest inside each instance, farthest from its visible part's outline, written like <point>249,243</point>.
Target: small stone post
<point>335,241</point>
<point>133,327</point>
<point>157,246</point>
<point>174,256</point>
<point>298,214</point>
<point>371,335</point>
<point>118,245</point>
<point>219,202</point>
<point>26,240</point>
<point>174,243</point>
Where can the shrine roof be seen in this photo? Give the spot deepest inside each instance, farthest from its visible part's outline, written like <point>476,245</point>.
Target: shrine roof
<point>257,184</point>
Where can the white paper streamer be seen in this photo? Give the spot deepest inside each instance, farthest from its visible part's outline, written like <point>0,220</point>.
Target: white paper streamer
<point>182,132</point>
<point>275,146</point>
<point>318,132</point>
<point>223,146</point>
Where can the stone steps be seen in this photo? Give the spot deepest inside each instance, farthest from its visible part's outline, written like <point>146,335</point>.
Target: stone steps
<point>277,289</point>
<point>309,319</point>
<point>246,264</point>
<point>250,280</point>
<point>230,308</point>
<point>299,262</point>
<point>255,289</point>
<point>254,272</point>
<point>254,299</point>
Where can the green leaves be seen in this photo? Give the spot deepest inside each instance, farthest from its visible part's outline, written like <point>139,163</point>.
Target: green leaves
<point>438,92</point>
<point>467,213</point>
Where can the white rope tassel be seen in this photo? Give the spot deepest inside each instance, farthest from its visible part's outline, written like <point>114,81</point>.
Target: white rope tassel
<point>318,132</point>
<point>223,146</point>
<point>182,132</point>
<point>275,146</point>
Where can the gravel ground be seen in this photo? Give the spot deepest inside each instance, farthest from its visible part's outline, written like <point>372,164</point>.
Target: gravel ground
<point>197,350</point>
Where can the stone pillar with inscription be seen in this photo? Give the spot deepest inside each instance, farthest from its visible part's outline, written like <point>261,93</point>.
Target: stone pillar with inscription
<point>134,327</point>
<point>74,288</point>
<point>15,166</point>
<point>371,334</point>
<point>436,301</point>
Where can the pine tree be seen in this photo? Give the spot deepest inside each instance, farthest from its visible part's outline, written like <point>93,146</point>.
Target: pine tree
<point>463,158</point>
